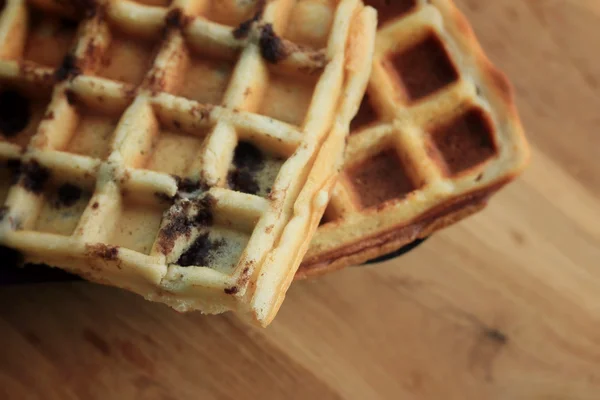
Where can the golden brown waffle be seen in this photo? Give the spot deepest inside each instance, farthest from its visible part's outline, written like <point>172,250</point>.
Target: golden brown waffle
<point>437,134</point>
<point>184,150</point>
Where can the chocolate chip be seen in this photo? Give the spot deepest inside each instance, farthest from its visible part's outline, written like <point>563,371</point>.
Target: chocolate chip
<point>204,217</point>
<point>271,46</point>
<point>34,176</point>
<point>68,68</point>
<point>242,180</point>
<point>15,112</point>
<point>188,185</point>
<point>173,18</point>
<point>246,155</point>
<point>243,29</point>
<point>198,254</point>
<point>68,195</point>
<point>103,251</point>
<point>248,160</point>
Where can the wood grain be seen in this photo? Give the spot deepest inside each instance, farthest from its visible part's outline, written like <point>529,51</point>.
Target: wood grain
<point>506,305</point>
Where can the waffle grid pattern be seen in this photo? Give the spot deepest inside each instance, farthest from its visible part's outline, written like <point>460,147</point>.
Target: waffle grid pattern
<point>436,133</point>
<point>152,101</point>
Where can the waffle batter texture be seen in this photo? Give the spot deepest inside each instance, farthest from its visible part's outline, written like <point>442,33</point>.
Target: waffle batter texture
<point>184,150</point>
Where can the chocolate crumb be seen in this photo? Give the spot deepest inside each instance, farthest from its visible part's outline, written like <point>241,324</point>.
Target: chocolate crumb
<point>104,251</point>
<point>204,217</point>
<point>319,58</point>
<point>14,112</point>
<point>243,29</point>
<point>173,18</point>
<point>188,185</point>
<point>198,254</point>
<point>201,112</point>
<point>181,224</point>
<point>95,205</point>
<point>49,116</point>
<point>231,290</point>
<point>67,69</point>
<point>271,46</point>
<point>178,226</point>
<point>34,176</point>
<point>245,275</point>
<point>125,177</point>
<point>68,195</point>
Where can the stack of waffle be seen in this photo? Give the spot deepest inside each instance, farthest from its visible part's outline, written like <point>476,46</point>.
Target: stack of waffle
<point>203,152</point>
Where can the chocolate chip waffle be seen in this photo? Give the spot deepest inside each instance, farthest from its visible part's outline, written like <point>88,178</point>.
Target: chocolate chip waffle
<point>183,150</point>
<point>437,134</point>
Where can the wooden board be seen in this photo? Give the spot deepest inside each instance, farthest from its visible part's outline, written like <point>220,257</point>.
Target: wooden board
<point>503,306</point>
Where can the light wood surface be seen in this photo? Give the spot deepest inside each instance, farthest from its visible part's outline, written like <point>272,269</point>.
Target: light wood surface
<point>503,306</point>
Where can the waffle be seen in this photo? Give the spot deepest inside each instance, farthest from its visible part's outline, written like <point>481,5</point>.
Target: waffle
<point>183,150</point>
<point>436,135</point>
